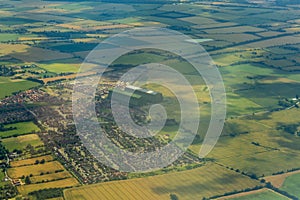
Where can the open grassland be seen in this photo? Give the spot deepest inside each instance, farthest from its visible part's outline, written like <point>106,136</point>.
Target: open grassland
<point>5,37</point>
<point>292,185</point>
<point>67,77</point>
<point>21,129</point>
<point>68,182</point>
<point>60,67</point>
<point>250,88</point>
<point>30,161</point>
<point>268,194</point>
<point>65,65</point>
<point>9,86</point>
<point>50,167</point>
<point>205,181</point>
<point>21,142</point>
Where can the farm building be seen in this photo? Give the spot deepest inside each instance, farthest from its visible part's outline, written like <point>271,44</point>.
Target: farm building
<point>138,96</point>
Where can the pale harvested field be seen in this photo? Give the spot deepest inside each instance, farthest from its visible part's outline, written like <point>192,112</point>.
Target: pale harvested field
<point>94,28</point>
<point>69,182</point>
<point>242,194</point>
<point>202,182</point>
<point>30,161</point>
<point>18,172</point>
<point>50,177</point>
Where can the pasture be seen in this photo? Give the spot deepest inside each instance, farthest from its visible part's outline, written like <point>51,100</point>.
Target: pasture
<point>205,181</point>
<point>292,185</point>
<point>22,141</point>
<point>21,128</point>
<point>261,195</point>
<point>9,86</point>
<point>5,37</point>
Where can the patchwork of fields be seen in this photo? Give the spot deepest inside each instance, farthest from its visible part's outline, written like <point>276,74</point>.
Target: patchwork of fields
<point>254,44</point>
<point>202,182</point>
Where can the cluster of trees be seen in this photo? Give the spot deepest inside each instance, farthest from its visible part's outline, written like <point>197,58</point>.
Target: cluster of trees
<point>289,128</point>
<point>47,193</point>
<point>40,162</point>
<point>3,128</point>
<point>3,152</point>
<point>270,186</point>
<point>7,191</point>
<point>6,71</point>
<point>288,103</point>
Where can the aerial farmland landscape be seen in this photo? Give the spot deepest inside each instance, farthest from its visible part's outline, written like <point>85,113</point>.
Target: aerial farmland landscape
<point>225,127</point>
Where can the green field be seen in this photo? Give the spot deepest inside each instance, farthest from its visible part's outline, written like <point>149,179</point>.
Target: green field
<point>21,129</point>
<point>21,142</point>
<point>202,182</point>
<point>8,86</point>
<point>5,37</point>
<point>277,150</point>
<point>266,195</point>
<point>2,176</point>
<point>292,185</point>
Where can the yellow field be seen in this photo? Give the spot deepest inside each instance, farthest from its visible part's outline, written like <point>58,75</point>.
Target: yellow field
<point>50,177</point>
<point>30,161</point>
<point>18,172</point>
<point>205,181</point>
<point>25,189</point>
<point>96,27</point>
<point>22,52</point>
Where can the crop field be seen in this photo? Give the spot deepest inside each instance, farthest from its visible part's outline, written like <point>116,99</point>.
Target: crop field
<point>249,88</point>
<point>21,129</point>
<point>292,185</point>
<point>68,182</point>
<point>21,142</point>
<point>262,195</point>
<point>254,145</point>
<point>30,161</point>
<point>18,172</point>
<point>255,45</point>
<point>9,86</point>
<point>276,42</point>
<point>39,54</point>
<point>205,181</point>
<point>233,38</point>
<point>50,177</point>
<point>237,29</point>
